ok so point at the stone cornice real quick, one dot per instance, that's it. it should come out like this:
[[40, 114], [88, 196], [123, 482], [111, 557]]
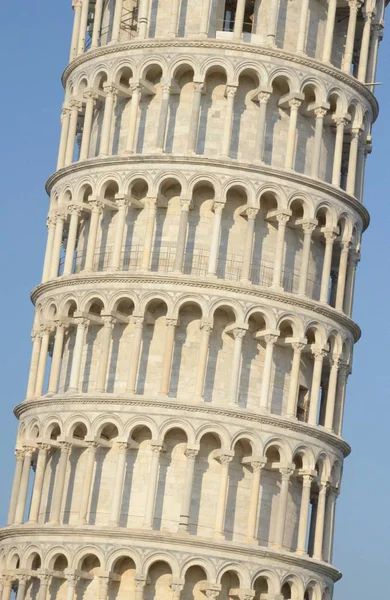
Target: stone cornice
[[203, 284], [164, 538], [256, 49], [290, 176], [214, 411]]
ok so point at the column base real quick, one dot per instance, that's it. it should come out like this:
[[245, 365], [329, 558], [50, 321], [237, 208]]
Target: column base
[[275, 287], [301, 553]]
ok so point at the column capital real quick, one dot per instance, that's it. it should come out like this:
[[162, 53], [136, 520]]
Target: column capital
[[212, 590], [225, 458], [286, 473], [44, 576], [271, 338], [294, 103], [77, 3], [330, 235], [206, 325], [307, 479], [90, 94], [108, 321], [263, 97], [298, 346], [71, 577], [156, 448], [252, 213], [82, 322], [309, 226], [22, 578], [198, 87], [44, 447], [231, 91], [258, 464], [65, 446], [191, 453], [136, 86], [341, 120], [19, 454], [185, 204], [60, 215], [110, 89], [138, 321], [28, 450], [242, 593], [75, 209], [319, 353], [354, 5], [122, 201], [75, 104], [320, 112], [121, 447], [218, 207], [177, 587], [35, 334], [140, 582], [335, 362], [65, 112], [171, 323], [283, 218], [97, 205], [51, 220], [166, 87]]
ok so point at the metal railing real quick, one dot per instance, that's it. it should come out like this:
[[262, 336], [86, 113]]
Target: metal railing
[[195, 263]]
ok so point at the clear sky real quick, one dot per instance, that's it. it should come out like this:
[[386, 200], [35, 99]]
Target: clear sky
[[35, 43]]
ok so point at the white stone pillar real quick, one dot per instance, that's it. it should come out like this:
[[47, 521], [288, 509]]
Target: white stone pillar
[[308, 229], [151, 207], [342, 275], [205, 19], [195, 113], [319, 355], [139, 587], [377, 36], [115, 514], [7, 587], [319, 126], [302, 31], [304, 513], [22, 584], [143, 19], [43, 451], [152, 485], [74, 381], [354, 6], [294, 105], [162, 124], [41, 371], [108, 326], [225, 459], [320, 522], [248, 248], [331, 396], [354, 259], [238, 334], [270, 341], [175, 12], [253, 510], [95, 218], [191, 454], [57, 245], [51, 228], [340, 122], [239, 20], [104, 581], [365, 45], [87, 482], [282, 220], [330, 514], [353, 159], [65, 121], [329, 31], [75, 108], [294, 379], [263, 98], [206, 328], [136, 94], [282, 507], [135, 354], [75, 214], [330, 237], [272, 21], [116, 24], [44, 580], [97, 24], [77, 7], [56, 358], [19, 454], [105, 140], [120, 223], [182, 235], [215, 239], [65, 448], [36, 350], [90, 103], [23, 486], [344, 372], [229, 118], [83, 27], [171, 325], [71, 580]]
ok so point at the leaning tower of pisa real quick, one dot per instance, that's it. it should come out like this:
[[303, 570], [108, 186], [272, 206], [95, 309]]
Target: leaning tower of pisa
[[181, 436]]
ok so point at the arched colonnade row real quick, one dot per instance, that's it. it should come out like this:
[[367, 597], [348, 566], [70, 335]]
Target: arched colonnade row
[[124, 575], [261, 492], [346, 36], [292, 245], [273, 118], [295, 370]]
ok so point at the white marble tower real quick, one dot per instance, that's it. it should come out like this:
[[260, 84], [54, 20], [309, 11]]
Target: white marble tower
[[181, 436]]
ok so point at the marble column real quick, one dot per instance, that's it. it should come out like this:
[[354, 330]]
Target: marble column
[[365, 45], [65, 448], [162, 124], [235, 374], [74, 380], [307, 480], [294, 379], [191, 455], [206, 329], [185, 204], [308, 229], [36, 350], [354, 6], [174, 21], [152, 485], [353, 159], [51, 228], [205, 19], [272, 22], [294, 105], [90, 102], [105, 139], [75, 108], [151, 207], [215, 239], [231, 91], [319, 355], [330, 237], [56, 358], [195, 113], [116, 24], [7, 587], [248, 248], [282, 507], [341, 123], [75, 215], [97, 24], [42, 362], [136, 94], [354, 259], [135, 354], [263, 98], [302, 31], [87, 482], [104, 582], [330, 514], [320, 522], [57, 245], [318, 135], [253, 510], [77, 7], [377, 36], [270, 341], [332, 388], [329, 32], [23, 486], [71, 580], [22, 584], [43, 450], [143, 19], [97, 208], [83, 27], [120, 224], [171, 325], [342, 274], [108, 326], [277, 281], [117, 497], [65, 121], [19, 454], [225, 460]]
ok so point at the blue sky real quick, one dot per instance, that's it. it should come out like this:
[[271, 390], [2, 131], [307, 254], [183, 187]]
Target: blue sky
[[35, 43]]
